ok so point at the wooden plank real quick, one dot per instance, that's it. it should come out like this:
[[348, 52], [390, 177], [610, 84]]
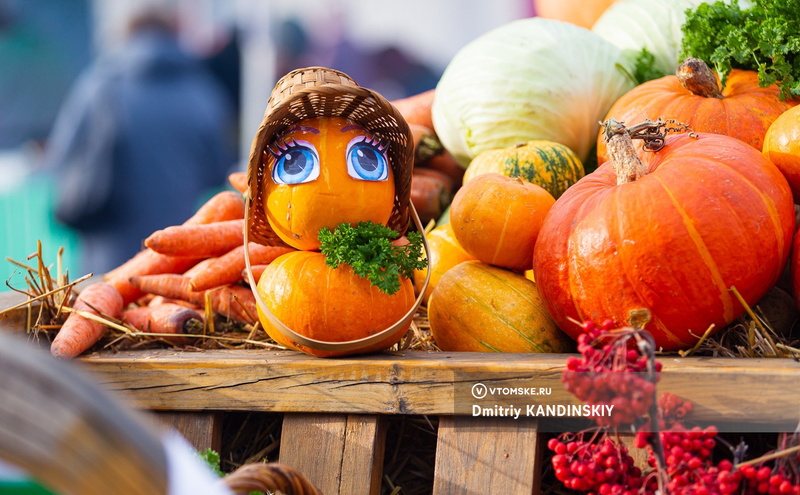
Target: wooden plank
[[313, 444], [340, 454], [736, 389], [487, 455], [202, 429], [364, 448]]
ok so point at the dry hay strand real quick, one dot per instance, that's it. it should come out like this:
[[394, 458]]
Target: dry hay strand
[[49, 294], [249, 437], [410, 455], [751, 336]]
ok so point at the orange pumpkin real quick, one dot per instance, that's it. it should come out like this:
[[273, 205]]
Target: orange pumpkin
[[445, 253], [580, 12], [332, 305], [482, 308], [742, 109], [497, 219], [322, 173], [682, 226], [782, 147]]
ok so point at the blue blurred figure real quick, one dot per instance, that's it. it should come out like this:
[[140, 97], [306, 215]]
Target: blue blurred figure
[[144, 137]]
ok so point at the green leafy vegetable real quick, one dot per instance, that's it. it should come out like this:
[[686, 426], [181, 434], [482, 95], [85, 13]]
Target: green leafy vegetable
[[645, 67], [764, 38], [368, 248], [211, 457]]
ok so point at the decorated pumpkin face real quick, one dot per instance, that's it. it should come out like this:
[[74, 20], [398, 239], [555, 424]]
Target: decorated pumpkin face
[[324, 172]]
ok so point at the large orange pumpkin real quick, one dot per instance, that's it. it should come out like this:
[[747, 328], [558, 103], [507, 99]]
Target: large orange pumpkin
[[782, 147], [323, 173], [329, 304], [742, 109], [497, 219], [482, 308], [683, 226]]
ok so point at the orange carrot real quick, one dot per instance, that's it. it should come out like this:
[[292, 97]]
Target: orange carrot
[[204, 240], [199, 267], [431, 193], [416, 109], [78, 333], [227, 269], [226, 205], [233, 301], [156, 300], [164, 318], [145, 262], [257, 271], [239, 181]]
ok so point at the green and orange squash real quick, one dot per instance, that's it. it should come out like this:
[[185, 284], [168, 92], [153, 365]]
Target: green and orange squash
[[477, 307], [548, 164]]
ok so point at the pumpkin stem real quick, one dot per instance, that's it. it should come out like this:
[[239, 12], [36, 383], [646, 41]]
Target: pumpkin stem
[[619, 144], [697, 77]]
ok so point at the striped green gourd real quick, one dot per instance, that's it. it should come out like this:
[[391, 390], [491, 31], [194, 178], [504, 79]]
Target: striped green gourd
[[548, 164]]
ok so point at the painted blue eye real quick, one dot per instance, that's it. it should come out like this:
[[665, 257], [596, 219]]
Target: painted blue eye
[[296, 162], [366, 159]]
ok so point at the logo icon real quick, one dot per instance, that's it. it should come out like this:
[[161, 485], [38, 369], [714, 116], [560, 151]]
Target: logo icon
[[479, 390]]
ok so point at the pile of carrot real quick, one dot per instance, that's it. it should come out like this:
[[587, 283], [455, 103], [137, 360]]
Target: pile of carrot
[[186, 272], [437, 175], [183, 274]]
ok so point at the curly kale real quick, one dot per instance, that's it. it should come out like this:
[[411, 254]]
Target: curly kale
[[764, 37], [368, 249]]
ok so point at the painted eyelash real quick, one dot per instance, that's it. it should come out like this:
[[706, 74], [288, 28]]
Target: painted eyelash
[[282, 146], [380, 144]]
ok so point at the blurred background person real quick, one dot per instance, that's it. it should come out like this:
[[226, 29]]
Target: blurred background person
[[142, 139]]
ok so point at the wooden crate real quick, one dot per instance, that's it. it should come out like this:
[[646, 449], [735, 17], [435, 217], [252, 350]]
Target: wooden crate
[[335, 410]]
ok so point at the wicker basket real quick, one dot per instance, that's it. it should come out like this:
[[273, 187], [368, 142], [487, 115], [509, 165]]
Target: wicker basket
[[322, 92]]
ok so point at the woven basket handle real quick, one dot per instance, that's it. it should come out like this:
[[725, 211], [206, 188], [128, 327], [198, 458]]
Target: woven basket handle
[[349, 345]]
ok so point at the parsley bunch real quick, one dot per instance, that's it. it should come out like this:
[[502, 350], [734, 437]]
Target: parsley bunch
[[368, 248], [764, 37]]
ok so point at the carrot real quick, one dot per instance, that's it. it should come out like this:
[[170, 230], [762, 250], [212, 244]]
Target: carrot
[[199, 267], [257, 271], [416, 109], [164, 318], [445, 162], [197, 241], [239, 181], [431, 193], [227, 269], [226, 205], [233, 301], [145, 262], [156, 300], [79, 333]]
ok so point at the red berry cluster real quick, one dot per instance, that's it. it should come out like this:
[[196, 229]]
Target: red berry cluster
[[762, 480], [603, 467], [610, 372], [689, 467], [673, 410], [602, 375]]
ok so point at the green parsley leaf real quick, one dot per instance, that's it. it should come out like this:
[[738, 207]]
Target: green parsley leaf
[[212, 459], [368, 249], [763, 38], [644, 67]]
